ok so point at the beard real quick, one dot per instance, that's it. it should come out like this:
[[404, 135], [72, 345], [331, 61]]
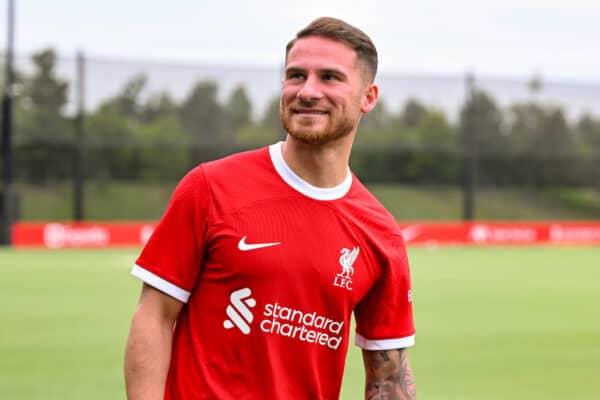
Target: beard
[[337, 126]]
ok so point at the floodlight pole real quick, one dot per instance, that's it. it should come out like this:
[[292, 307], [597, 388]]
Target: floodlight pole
[[7, 208], [78, 148], [470, 156]]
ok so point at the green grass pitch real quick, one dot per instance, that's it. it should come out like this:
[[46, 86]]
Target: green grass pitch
[[492, 323]]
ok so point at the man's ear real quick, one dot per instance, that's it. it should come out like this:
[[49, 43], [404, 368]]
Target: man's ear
[[369, 98]]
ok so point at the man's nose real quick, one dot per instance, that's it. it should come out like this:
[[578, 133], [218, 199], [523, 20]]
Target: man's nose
[[310, 90]]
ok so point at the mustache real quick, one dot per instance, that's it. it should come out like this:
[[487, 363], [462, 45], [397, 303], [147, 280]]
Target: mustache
[[303, 102]]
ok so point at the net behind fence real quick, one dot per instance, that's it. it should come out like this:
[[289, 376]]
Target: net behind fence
[[433, 149]]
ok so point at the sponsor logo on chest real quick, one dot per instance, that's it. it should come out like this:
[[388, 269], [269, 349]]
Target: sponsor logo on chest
[[347, 259], [309, 327]]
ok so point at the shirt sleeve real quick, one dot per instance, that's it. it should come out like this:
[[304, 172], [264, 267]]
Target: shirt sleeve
[[384, 317], [172, 258]]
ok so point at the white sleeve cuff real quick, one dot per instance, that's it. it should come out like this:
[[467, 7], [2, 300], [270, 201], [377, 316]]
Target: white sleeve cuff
[[384, 344], [161, 284]]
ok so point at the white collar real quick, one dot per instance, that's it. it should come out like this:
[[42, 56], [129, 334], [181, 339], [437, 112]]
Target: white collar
[[299, 184]]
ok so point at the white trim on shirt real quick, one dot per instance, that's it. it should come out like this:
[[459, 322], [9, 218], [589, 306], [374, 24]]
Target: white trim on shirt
[[384, 344], [300, 185], [160, 283]]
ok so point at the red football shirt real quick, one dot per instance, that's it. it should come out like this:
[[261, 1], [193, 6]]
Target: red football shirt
[[271, 269]]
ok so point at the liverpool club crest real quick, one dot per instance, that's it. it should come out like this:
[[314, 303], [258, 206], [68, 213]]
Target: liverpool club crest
[[347, 259]]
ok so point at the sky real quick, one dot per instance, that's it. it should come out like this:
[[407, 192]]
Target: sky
[[557, 40]]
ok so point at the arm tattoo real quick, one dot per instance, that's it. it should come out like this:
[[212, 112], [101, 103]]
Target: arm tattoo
[[388, 375]]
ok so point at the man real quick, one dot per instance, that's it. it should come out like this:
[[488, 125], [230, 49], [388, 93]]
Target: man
[[252, 274]]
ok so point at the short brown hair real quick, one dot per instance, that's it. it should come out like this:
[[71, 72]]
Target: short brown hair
[[343, 32]]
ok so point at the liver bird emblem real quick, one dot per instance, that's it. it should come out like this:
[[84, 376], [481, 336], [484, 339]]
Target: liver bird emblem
[[347, 260]]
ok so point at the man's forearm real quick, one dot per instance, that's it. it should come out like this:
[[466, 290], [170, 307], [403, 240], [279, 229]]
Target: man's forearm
[[147, 357], [388, 375]]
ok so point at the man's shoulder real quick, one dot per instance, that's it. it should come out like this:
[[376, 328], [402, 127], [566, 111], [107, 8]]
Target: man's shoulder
[[238, 163], [225, 174], [369, 210], [240, 179], [363, 197]]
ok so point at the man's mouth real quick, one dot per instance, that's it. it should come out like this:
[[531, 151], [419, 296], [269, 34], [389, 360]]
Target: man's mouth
[[309, 111]]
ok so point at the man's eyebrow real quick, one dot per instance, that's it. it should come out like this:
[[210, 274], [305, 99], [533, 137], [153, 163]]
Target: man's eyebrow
[[324, 71], [291, 70], [332, 71]]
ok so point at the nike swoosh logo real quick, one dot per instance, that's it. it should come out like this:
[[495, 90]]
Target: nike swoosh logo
[[243, 246]]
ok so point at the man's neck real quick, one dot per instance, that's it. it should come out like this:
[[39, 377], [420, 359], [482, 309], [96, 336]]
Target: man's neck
[[321, 165]]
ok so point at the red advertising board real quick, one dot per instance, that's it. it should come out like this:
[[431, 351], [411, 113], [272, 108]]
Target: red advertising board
[[502, 233], [56, 235]]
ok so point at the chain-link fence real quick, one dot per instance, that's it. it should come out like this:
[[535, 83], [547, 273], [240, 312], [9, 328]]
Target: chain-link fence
[[106, 139]]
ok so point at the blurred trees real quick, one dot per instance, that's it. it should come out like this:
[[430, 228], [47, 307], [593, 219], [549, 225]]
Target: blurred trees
[[238, 109], [201, 113], [149, 135], [412, 112], [542, 142], [588, 135], [480, 124], [127, 102], [267, 130], [41, 125], [481, 142]]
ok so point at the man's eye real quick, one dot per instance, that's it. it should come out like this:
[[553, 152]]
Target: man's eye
[[296, 75], [330, 77]]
